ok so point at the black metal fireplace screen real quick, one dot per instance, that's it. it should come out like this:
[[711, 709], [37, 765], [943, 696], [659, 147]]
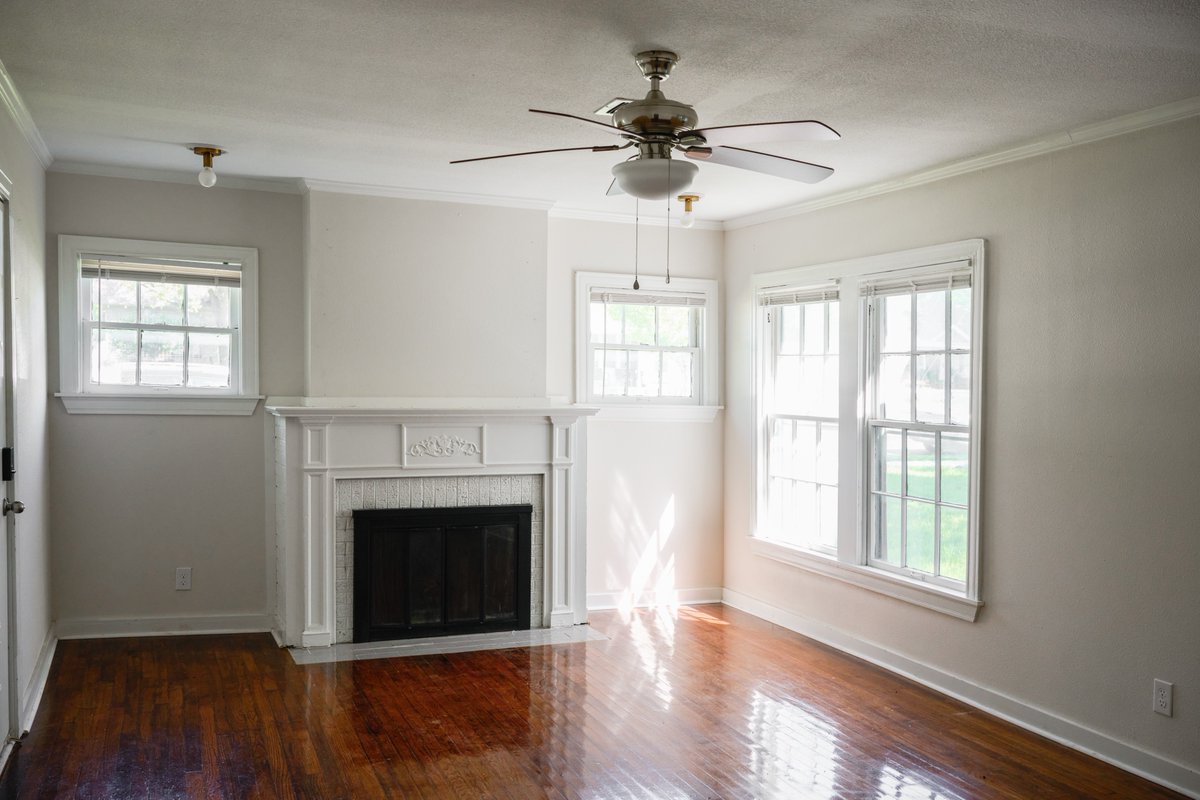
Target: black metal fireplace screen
[[440, 571]]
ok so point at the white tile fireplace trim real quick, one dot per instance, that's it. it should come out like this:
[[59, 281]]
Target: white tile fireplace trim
[[441, 491], [320, 441]]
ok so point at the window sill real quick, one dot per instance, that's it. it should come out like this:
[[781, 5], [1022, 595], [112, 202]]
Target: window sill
[[657, 412], [897, 586], [175, 405]]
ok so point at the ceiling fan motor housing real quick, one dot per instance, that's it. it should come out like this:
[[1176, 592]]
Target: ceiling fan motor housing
[[655, 115]]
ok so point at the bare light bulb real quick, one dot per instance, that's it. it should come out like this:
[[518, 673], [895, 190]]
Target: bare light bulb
[[208, 152], [688, 218]]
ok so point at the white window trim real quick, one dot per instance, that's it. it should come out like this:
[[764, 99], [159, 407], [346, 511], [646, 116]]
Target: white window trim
[[853, 568], [650, 410], [171, 401]]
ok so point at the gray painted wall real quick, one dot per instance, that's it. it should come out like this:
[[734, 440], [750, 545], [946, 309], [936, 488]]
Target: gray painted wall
[[138, 496], [411, 298]]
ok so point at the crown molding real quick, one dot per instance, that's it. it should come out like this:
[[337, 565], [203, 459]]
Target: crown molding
[[24, 120], [1084, 134], [590, 215], [279, 185], [435, 195]]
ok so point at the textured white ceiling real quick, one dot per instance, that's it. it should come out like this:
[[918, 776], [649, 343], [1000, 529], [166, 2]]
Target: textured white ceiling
[[386, 92]]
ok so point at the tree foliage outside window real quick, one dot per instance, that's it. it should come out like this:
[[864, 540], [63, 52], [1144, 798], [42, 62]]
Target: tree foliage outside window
[[159, 333]]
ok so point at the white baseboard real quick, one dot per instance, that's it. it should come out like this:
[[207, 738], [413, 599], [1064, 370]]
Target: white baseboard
[[602, 601], [5, 751], [32, 696], [102, 628], [1064, 731]]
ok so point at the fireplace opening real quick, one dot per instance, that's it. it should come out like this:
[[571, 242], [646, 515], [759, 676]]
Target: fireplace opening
[[440, 571]]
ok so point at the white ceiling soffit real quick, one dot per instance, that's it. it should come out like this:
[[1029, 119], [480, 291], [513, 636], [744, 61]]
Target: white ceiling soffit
[[359, 92]]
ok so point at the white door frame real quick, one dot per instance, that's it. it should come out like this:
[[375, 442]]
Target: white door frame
[[13, 726]]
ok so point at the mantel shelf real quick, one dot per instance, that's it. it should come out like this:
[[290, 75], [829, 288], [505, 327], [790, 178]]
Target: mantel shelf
[[403, 407]]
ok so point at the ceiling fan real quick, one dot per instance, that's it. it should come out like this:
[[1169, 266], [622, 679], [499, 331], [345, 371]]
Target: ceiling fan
[[656, 126]]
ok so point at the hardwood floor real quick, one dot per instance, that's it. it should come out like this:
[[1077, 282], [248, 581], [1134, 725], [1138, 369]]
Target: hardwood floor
[[709, 703]]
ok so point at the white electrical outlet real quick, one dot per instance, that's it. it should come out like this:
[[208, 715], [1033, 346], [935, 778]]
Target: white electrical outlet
[[1162, 697], [183, 579]]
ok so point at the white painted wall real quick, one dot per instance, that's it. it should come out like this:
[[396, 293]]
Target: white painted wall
[[412, 298], [32, 546], [137, 496], [1091, 553], [654, 488]]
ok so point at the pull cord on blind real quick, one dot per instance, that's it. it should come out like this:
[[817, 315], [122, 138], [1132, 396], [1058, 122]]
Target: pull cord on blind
[[209, 273]]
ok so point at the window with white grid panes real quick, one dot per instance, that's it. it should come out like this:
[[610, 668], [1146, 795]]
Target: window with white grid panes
[[866, 389], [645, 348], [159, 325], [800, 420], [150, 327], [919, 426]]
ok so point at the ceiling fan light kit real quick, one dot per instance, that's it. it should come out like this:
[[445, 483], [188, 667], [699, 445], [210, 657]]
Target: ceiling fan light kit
[[654, 178], [656, 126]]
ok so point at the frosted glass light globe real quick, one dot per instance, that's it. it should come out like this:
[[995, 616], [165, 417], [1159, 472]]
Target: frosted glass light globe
[[207, 178], [654, 178]]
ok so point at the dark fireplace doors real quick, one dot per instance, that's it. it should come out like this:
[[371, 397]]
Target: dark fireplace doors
[[440, 571]]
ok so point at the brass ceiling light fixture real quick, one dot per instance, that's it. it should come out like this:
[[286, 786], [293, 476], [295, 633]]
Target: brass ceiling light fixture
[[208, 152], [688, 218]]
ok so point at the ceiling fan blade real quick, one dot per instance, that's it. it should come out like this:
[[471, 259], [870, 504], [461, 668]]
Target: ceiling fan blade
[[603, 148], [594, 122], [779, 166], [806, 130], [614, 189]]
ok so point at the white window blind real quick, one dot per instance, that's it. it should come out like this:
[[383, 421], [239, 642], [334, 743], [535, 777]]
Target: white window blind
[[648, 299], [955, 275], [212, 273], [791, 297]]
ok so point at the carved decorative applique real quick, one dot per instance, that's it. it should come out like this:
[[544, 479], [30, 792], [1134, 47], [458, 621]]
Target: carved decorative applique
[[444, 446]]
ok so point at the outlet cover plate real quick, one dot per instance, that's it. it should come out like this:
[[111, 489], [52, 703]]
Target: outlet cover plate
[[1162, 697]]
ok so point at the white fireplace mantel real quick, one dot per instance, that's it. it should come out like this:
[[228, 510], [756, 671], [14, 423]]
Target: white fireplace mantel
[[319, 441]]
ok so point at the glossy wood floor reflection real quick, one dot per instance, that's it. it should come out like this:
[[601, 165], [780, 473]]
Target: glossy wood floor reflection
[[708, 703]]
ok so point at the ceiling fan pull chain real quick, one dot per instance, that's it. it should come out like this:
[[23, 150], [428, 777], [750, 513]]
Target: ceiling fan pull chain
[[636, 215], [668, 221]]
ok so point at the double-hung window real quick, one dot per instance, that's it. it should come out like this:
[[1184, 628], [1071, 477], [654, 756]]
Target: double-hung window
[[919, 424], [800, 415], [148, 322], [652, 346], [868, 399]]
